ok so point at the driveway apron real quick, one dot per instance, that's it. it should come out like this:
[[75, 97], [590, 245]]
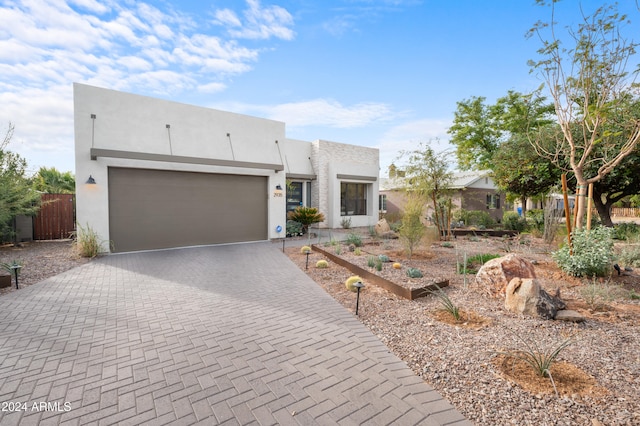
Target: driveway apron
[[232, 334]]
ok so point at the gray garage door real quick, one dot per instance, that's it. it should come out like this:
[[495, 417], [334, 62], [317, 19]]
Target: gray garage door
[[153, 209]]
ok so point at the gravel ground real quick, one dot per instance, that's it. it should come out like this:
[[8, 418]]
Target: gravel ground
[[459, 360], [597, 377]]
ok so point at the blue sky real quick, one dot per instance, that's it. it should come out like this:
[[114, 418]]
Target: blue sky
[[384, 74]]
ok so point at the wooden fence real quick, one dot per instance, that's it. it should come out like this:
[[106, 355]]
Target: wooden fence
[[57, 217], [625, 212]]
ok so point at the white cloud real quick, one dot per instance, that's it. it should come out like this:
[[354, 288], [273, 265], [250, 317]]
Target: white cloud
[[325, 112], [259, 22]]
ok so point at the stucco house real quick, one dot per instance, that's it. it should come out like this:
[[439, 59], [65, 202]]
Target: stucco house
[[474, 190], [155, 174]]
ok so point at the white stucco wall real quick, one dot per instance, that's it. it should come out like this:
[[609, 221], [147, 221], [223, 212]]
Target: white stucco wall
[[134, 123], [331, 159]]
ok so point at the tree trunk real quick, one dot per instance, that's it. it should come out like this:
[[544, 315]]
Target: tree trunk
[[523, 201], [604, 210], [581, 198]]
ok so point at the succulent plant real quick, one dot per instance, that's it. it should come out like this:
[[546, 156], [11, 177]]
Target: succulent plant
[[383, 258], [371, 261], [397, 265], [322, 264], [414, 273], [349, 283], [305, 249]]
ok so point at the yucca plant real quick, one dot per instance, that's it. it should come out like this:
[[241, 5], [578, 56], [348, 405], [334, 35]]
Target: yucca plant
[[445, 301], [539, 358], [306, 216]]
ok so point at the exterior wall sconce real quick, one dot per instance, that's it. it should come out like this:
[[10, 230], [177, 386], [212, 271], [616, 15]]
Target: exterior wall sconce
[[90, 181], [279, 187]]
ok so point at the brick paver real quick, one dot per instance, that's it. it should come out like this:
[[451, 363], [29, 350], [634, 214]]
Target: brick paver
[[232, 334]]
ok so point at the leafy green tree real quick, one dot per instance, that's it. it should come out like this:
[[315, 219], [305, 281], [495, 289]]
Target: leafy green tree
[[16, 195], [428, 177], [52, 181], [475, 134], [589, 82]]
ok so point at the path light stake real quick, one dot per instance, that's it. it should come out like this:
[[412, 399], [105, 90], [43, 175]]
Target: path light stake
[[15, 268], [358, 285], [306, 266]]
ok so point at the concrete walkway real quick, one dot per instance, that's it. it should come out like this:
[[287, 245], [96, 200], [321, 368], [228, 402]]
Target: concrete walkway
[[232, 334]]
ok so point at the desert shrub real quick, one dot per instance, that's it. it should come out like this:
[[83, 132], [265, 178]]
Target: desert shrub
[[535, 219], [305, 249], [598, 294], [412, 229], [513, 221], [592, 253], [378, 264], [294, 228], [345, 222], [354, 239], [322, 264], [447, 244], [630, 256], [88, 242], [477, 218], [306, 216], [338, 250], [414, 273], [538, 357], [371, 261], [446, 302], [349, 283], [626, 231]]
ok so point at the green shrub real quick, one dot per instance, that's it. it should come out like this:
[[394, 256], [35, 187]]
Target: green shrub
[[378, 265], [354, 239], [322, 264], [535, 218], [513, 221], [371, 261], [478, 218], [475, 262], [414, 273], [630, 256], [349, 283], [412, 229], [345, 222], [294, 228], [592, 253], [626, 231], [597, 295]]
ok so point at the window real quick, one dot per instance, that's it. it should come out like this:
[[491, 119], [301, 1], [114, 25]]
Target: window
[[353, 199], [493, 201], [382, 202]]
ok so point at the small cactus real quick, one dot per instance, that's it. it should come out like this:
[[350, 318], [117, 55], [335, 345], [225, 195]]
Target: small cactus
[[414, 273], [397, 266], [321, 264], [371, 261], [383, 258], [305, 249], [357, 251], [349, 283]]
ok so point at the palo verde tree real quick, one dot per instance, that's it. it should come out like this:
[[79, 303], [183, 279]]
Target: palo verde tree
[[428, 177], [588, 75], [16, 195]]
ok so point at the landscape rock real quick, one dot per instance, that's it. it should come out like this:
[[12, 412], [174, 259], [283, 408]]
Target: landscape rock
[[526, 296], [495, 275], [382, 227], [569, 315]]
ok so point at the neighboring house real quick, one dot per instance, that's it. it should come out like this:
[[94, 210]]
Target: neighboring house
[[173, 175], [471, 191]]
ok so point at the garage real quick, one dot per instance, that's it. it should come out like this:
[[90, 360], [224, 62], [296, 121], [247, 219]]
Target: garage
[[156, 209]]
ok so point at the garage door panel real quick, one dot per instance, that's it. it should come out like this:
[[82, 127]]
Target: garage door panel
[[151, 209]]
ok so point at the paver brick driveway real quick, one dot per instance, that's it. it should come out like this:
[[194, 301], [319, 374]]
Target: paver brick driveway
[[232, 334]]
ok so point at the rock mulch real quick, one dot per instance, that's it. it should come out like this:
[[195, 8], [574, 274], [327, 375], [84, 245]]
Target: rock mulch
[[597, 377]]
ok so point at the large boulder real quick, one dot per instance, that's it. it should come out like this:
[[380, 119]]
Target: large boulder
[[383, 229], [526, 296], [495, 275]]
